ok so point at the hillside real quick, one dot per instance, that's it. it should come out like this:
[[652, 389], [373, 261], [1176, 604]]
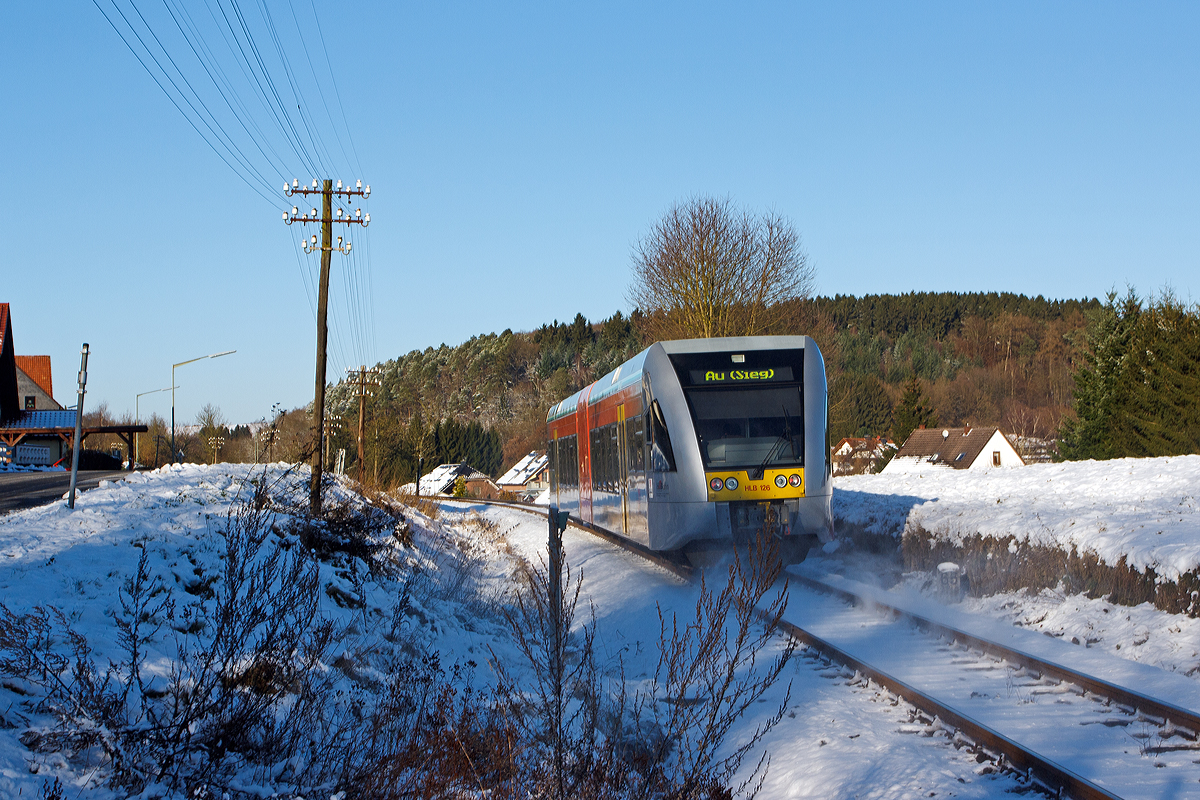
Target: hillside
[[984, 358]]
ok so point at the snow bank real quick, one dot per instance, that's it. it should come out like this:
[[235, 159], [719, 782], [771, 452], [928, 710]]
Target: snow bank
[[1142, 509]]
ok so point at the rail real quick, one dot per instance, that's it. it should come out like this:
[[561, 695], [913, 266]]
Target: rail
[[1053, 777]]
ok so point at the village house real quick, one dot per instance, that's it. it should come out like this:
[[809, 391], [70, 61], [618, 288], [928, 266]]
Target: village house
[[441, 480], [859, 455], [528, 478], [955, 448], [35, 430]]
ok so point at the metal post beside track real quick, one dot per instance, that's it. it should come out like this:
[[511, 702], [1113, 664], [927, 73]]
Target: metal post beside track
[[78, 426], [558, 522]]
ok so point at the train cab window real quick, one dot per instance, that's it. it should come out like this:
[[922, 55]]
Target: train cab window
[[662, 457], [749, 427]]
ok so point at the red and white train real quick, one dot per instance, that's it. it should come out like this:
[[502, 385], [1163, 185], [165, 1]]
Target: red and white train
[[694, 444]]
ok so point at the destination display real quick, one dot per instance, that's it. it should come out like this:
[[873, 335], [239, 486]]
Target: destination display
[[723, 375]]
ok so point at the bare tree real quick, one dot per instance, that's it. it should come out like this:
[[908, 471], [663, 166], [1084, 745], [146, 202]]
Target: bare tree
[[210, 419], [710, 269]]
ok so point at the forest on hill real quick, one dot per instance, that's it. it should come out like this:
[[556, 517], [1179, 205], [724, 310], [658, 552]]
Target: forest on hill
[[1088, 379], [980, 358]]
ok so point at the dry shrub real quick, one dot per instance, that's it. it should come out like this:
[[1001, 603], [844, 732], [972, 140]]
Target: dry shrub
[[247, 693], [1005, 564], [424, 504], [587, 738], [433, 736], [710, 673]]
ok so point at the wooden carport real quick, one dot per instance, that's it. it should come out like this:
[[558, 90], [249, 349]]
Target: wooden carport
[[49, 424]]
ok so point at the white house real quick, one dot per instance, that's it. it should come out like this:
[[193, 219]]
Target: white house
[[956, 448], [856, 456]]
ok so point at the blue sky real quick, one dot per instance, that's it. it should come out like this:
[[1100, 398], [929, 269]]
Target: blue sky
[[515, 153]]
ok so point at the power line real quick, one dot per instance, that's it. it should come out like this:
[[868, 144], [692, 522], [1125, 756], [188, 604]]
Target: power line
[[175, 102]]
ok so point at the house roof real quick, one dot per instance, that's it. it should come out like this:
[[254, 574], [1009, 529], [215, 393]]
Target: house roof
[[48, 420], [441, 479], [524, 470], [958, 448], [9, 407], [38, 370]]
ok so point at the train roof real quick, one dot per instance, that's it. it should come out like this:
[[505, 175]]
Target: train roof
[[627, 373], [730, 343]]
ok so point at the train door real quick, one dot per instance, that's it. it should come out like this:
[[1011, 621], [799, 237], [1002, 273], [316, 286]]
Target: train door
[[623, 468], [584, 426]]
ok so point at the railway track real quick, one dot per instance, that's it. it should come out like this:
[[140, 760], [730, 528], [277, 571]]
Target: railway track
[[1082, 696]]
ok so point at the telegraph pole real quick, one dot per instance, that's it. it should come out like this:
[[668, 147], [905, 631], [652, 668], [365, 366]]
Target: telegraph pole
[[331, 422], [216, 443], [365, 381], [326, 248]]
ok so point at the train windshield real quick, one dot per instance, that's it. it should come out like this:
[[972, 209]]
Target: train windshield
[[749, 427]]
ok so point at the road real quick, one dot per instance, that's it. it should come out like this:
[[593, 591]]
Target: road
[[20, 490]]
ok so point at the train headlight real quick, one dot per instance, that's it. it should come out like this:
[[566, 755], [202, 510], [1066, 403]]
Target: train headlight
[[781, 481], [731, 484], [795, 479], [717, 484]]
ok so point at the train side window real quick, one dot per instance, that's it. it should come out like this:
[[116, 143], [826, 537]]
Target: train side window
[[662, 457], [634, 440], [614, 459]]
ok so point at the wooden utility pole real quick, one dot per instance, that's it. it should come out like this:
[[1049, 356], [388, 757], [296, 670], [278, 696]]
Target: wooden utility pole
[[364, 382], [331, 422], [314, 491], [326, 248]]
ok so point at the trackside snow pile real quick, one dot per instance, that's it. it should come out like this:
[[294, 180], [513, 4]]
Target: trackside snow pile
[[1128, 528], [193, 632]]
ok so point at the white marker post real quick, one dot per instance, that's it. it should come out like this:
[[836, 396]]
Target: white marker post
[[78, 426]]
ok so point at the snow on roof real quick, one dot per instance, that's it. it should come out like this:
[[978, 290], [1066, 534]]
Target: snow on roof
[[441, 479], [956, 447], [42, 419], [524, 470], [915, 464]]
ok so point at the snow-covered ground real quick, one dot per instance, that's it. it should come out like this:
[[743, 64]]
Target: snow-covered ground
[[839, 737], [1142, 509]]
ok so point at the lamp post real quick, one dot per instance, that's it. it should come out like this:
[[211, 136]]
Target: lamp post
[[137, 418], [174, 387]]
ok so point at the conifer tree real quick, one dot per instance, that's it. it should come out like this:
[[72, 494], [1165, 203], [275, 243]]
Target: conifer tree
[[1160, 415], [1101, 381], [913, 411]]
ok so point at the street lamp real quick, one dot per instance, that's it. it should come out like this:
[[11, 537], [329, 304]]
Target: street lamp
[[174, 387], [138, 419]]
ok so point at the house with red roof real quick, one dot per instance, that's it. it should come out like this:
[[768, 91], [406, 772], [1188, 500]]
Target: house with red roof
[[34, 427], [955, 448]]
